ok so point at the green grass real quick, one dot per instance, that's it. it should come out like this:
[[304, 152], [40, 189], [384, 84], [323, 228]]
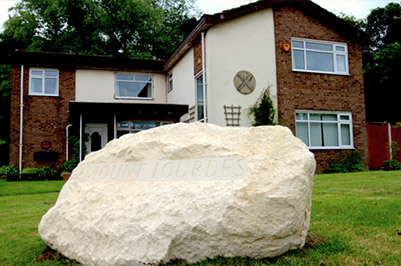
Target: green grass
[[355, 220]]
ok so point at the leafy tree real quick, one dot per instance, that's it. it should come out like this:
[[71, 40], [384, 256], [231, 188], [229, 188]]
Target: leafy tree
[[382, 61], [140, 28]]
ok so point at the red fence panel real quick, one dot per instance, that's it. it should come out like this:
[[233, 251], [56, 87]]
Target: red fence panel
[[396, 136], [378, 145]]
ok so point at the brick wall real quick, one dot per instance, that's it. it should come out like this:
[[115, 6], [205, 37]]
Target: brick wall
[[320, 92], [197, 57], [45, 118]]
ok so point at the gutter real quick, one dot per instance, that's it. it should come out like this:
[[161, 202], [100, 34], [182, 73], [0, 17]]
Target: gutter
[[21, 120]]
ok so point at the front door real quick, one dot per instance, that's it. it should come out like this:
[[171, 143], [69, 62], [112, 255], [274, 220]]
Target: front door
[[97, 136]]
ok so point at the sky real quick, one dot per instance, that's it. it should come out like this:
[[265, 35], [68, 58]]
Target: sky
[[358, 8]]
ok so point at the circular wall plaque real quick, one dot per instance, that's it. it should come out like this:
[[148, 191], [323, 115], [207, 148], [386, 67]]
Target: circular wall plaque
[[45, 144], [244, 82]]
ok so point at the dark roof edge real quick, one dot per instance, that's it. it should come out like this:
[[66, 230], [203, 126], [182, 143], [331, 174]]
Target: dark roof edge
[[207, 21], [76, 61]]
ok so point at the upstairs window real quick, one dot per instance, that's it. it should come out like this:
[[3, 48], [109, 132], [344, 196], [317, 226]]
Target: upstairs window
[[319, 56], [43, 82], [326, 130], [170, 82], [137, 86]]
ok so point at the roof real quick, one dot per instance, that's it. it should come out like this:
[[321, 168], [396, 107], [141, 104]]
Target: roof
[[51, 59], [307, 6]]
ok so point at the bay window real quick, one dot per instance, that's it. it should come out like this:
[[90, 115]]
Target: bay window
[[319, 56], [324, 130]]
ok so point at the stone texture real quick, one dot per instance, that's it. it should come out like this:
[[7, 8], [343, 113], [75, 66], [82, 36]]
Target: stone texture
[[186, 191]]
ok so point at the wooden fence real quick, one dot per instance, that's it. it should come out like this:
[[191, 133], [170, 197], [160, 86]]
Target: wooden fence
[[380, 137]]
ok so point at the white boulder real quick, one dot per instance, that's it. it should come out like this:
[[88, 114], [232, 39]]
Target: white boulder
[[185, 191]]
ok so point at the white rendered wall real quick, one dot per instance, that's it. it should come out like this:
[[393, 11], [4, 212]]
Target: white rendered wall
[[245, 43], [98, 86], [183, 81]]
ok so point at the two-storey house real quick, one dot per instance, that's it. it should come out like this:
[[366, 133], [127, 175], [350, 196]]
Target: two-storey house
[[308, 59]]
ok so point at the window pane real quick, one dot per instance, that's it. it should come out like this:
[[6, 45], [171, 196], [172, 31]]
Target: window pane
[[315, 117], [200, 110], [36, 85], [133, 89], [124, 77], [329, 117], [37, 72], [302, 132], [143, 125], [301, 116], [297, 44], [340, 48], [316, 134], [319, 61], [345, 135], [51, 73], [199, 98], [330, 134], [319, 46], [143, 78], [50, 86], [122, 124], [344, 117], [340, 63], [145, 90], [299, 61]]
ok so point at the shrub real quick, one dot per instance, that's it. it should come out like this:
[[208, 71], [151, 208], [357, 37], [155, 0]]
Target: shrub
[[10, 171], [391, 165], [347, 162], [69, 165], [263, 110], [30, 174], [47, 172]]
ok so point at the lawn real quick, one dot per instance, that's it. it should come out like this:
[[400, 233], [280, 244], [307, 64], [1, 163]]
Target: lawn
[[356, 220]]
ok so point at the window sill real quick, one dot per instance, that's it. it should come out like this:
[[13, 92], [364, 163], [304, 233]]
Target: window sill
[[45, 95], [331, 148], [320, 72], [133, 98]]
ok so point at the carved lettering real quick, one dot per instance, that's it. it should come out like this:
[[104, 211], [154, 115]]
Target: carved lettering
[[201, 169]]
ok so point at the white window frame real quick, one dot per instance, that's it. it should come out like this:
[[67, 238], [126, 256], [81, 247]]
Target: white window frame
[[339, 122], [43, 77], [133, 129], [133, 81], [170, 86], [199, 76], [334, 53]]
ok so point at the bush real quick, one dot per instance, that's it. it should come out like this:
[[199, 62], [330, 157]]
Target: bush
[[347, 162], [10, 171], [69, 165], [47, 172], [263, 111], [391, 165], [33, 174], [30, 174]]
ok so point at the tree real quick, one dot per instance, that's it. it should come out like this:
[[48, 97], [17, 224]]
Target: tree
[[140, 28], [381, 61]]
